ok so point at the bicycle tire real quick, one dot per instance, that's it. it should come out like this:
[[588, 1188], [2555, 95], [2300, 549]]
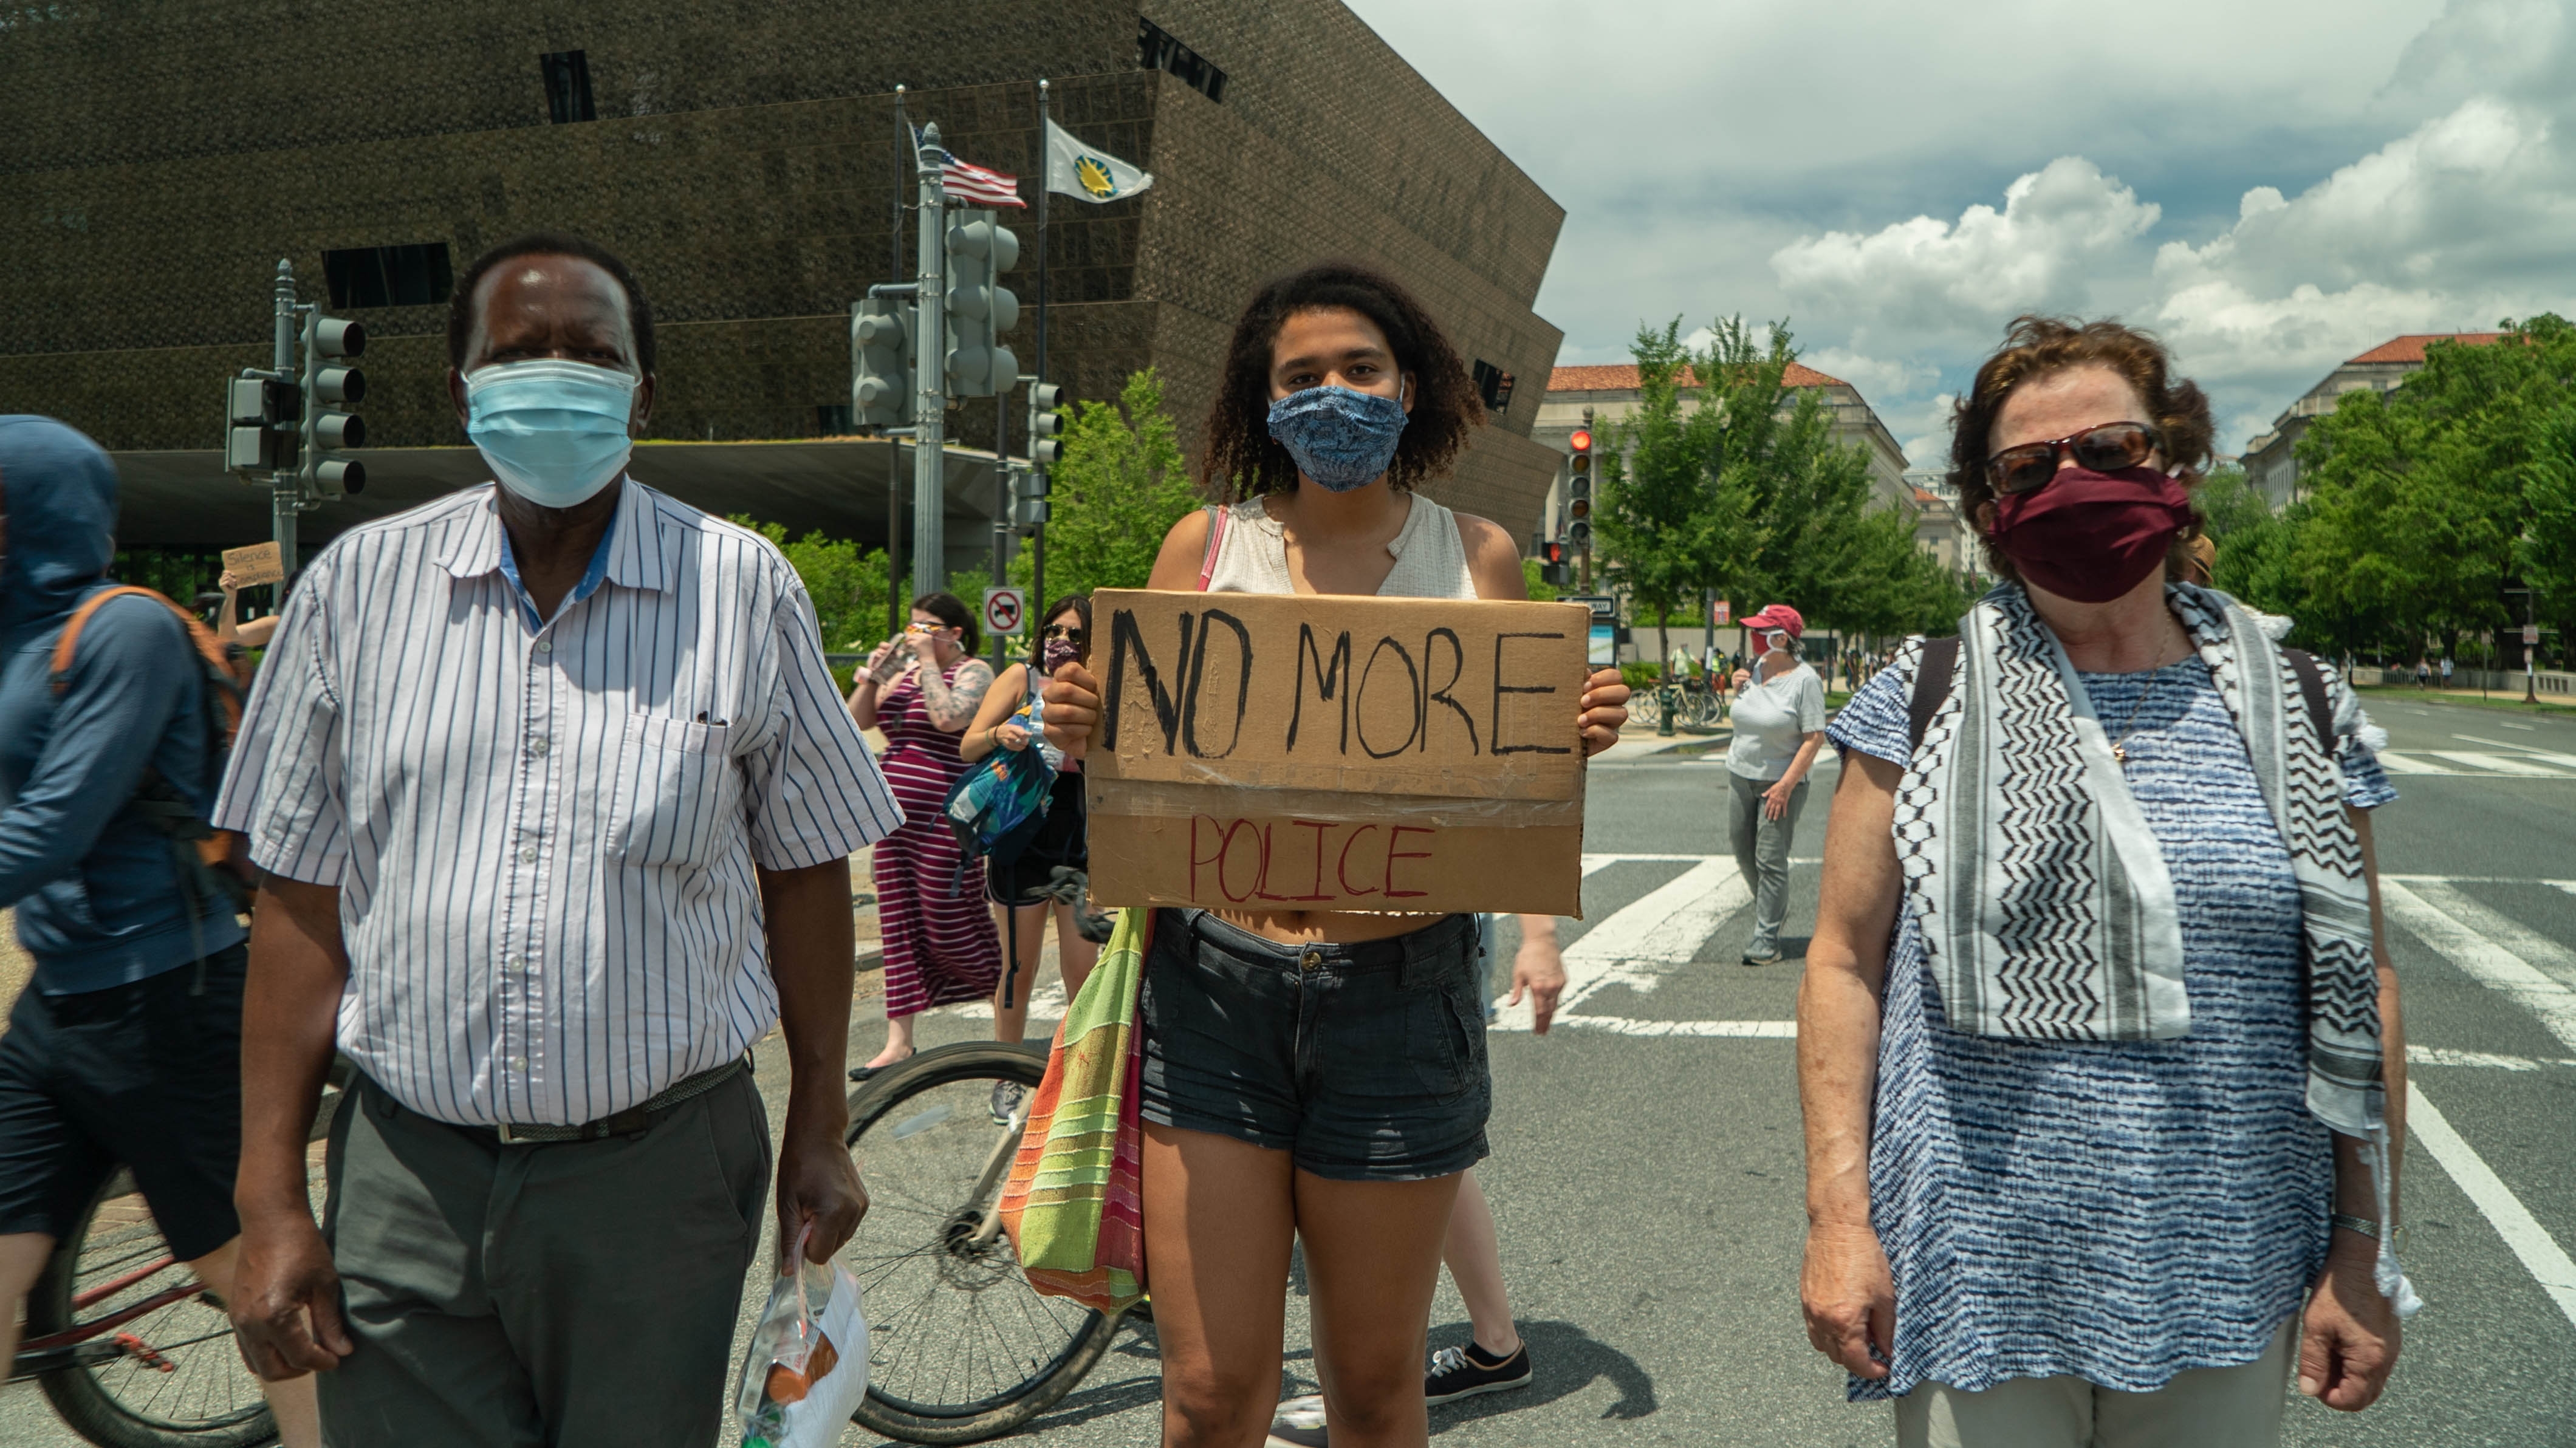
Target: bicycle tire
[[107, 1402], [933, 1085], [1646, 706]]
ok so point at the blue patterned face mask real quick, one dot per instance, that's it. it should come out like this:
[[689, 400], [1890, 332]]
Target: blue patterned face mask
[[554, 431], [1340, 438]]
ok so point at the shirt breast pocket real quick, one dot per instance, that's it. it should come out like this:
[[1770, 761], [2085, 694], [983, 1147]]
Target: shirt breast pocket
[[677, 788]]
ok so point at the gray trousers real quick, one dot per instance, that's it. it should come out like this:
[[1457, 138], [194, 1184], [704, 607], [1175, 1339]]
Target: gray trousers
[[1762, 855], [568, 1295]]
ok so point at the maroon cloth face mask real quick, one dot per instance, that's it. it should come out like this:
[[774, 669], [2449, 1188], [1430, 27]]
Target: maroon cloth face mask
[[2092, 536]]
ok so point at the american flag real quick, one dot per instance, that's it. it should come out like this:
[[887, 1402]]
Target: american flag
[[966, 181]]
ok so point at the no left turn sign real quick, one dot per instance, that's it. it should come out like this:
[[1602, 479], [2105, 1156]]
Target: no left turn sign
[[1006, 611]]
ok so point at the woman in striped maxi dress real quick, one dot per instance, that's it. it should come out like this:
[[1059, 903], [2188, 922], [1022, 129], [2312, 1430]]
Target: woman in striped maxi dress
[[939, 941]]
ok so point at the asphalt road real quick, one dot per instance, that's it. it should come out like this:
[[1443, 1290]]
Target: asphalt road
[[1646, 1170]]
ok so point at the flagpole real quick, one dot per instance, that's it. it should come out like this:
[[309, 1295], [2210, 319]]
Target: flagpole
[[1046, 172], [894, 446]]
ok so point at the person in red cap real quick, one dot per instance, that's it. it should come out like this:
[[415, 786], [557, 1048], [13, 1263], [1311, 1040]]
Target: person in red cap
[[1779, 724]]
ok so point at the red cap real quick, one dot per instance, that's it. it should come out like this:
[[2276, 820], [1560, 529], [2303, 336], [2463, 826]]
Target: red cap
[[1780, 616]]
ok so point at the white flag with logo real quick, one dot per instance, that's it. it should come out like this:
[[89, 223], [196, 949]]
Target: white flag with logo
[[1074, 169]]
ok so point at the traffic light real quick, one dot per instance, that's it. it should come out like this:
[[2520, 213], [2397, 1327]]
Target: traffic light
[[1046, 423], [980, 308], [1552, 567], [880, 381], [322, 427], [1029, 485], [1578, 489], [261, 416]]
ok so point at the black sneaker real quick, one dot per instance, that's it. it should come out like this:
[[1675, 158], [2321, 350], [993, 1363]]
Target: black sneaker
[[1464, 1372]]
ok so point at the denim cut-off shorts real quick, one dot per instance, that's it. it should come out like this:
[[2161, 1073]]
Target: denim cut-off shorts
[[1364, 1062]]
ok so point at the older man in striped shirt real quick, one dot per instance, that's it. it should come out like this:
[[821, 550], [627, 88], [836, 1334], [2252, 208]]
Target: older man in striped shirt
[[556, 794]]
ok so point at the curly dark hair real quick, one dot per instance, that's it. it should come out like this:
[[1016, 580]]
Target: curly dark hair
[[1078, 604], [951, 610], [1243, 461], [2037, 347], [460, 302]]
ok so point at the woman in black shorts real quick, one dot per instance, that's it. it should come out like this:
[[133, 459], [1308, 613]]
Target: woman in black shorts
[[1316, 1076], [1050, 875]]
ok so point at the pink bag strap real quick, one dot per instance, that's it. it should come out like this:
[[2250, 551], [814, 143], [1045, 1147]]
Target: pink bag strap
[[1217, 515]]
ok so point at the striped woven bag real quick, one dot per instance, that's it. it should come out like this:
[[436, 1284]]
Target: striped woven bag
[[1073, 1202]]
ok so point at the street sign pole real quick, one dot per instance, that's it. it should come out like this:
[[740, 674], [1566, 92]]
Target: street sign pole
[[930, 376], [285, 486]]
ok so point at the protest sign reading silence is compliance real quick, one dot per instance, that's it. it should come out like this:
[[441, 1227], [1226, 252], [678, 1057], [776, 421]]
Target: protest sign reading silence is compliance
[[257, 564], [1301, 752]]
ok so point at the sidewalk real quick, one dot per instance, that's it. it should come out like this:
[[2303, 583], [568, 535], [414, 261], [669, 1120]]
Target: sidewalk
[[2491, 696]]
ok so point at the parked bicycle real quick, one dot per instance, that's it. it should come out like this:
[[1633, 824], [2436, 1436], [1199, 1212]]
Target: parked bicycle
[[129, 1348], [960, 1348]]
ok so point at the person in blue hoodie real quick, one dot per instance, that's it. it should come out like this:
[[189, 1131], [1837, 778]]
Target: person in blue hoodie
[[125, 1048]]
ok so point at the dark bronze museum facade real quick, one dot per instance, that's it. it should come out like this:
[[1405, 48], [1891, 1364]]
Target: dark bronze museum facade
[[159, 158]]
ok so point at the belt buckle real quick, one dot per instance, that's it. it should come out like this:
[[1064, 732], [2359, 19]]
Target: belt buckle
[[509, 1135]]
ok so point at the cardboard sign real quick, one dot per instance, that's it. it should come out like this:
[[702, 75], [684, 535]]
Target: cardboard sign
[[1286, 752], [252, 566]]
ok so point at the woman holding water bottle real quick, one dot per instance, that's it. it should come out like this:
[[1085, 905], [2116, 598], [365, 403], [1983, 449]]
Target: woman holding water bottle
[[1049, 876]]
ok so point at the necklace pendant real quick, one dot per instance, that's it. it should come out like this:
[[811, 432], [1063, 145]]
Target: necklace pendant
[[2120, 753]]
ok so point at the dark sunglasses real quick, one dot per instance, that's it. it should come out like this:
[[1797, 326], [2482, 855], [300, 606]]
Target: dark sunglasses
[[1055, 631], [2105, 449]]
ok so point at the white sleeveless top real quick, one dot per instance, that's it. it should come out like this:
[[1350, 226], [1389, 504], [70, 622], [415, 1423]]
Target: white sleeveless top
[[1430, 562]]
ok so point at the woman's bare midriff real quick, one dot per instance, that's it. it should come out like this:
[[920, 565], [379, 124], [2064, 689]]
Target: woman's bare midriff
[[1328, 927]]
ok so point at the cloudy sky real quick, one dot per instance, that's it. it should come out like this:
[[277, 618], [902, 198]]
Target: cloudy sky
[[2272, 185]]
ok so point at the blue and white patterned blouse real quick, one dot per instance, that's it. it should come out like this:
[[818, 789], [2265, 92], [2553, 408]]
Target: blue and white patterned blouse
[[2115, 1211]]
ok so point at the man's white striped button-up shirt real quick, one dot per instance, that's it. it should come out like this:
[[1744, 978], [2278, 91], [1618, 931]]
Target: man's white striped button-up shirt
[[545, 837]]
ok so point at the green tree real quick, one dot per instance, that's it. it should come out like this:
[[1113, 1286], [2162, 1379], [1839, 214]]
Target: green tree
[[2427, 504], [1666, 515], [848, 587], [1119, 487]]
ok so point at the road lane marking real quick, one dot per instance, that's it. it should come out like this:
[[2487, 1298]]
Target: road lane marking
[[2563, 761], [2498, 763], [1647, 939], [2545, 955], [1739, 1030], [2490, 964], [2398, 763], [2540, 1254], [2488, 1060]]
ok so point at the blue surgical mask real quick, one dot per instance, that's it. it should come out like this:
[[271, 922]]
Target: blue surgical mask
[[1340, 438], [554, 431]]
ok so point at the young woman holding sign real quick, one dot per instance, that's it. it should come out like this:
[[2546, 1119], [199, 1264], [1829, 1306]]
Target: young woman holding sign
[[1297, 1083]]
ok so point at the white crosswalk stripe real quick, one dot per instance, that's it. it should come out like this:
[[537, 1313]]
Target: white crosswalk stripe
[[2479, 764], [2540, 1253], [1646, 940], [2485, 961]]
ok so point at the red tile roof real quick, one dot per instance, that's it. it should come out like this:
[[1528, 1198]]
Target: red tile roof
[[1623, 378], [2410, 348]]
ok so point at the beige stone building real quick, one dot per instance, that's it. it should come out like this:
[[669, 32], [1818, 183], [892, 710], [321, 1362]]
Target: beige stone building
[[2272, 461]]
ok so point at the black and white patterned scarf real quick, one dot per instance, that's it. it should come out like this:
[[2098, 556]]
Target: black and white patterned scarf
[[2046, 908]]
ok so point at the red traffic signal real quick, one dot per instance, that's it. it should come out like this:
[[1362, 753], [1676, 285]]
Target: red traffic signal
[[1582, 440], [1552, 552]]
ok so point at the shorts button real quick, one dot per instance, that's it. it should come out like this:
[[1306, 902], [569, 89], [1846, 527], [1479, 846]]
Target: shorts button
[[1310, 960]]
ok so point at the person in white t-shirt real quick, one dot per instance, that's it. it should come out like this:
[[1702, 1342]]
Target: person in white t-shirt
[[1779, 723]]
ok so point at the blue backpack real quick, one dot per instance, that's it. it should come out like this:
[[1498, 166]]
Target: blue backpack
[[995, 808]]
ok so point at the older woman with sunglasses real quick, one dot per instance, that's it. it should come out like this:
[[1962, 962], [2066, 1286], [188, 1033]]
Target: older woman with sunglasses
[[1053, 870], [2097, 1042]]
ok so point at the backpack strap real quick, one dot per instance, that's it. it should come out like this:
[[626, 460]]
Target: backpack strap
[[212, 650], [1933, 673], [1217, 513], [2312, 687]]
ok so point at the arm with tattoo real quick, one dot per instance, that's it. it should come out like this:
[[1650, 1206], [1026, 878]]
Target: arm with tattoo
[[952, 703]]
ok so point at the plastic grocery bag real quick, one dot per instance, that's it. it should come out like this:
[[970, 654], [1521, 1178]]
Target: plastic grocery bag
[[808, 1364]]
